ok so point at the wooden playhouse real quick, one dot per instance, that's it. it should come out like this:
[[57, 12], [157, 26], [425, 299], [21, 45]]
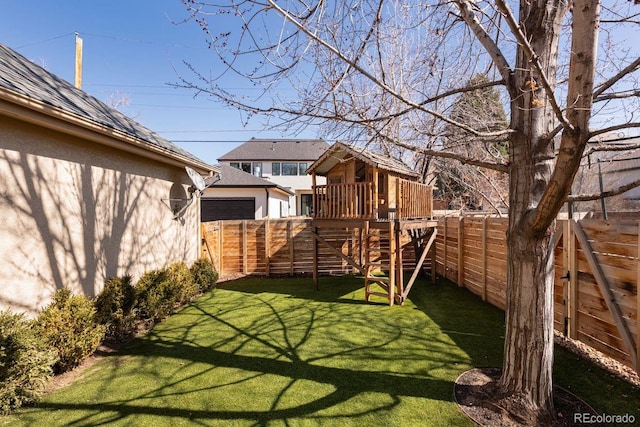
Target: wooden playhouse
[[381, 200]]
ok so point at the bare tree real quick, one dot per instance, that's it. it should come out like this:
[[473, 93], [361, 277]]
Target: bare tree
[[387, 73]]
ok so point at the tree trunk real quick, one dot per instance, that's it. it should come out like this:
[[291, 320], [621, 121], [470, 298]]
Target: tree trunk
[[526, 382]]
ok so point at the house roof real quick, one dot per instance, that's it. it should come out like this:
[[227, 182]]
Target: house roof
[[617, 168], [235, 178], [341, 151], [277, 149], [26, 84]]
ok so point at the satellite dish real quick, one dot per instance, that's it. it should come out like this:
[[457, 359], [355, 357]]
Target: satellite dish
[[196, 178]]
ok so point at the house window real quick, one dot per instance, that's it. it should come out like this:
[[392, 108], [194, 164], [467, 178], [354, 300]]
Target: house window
[[289, 169], [235, 165], [257, 169], [245, 167], [275, 168], [302, 168]]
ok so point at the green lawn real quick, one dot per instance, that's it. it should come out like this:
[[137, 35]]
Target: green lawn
[[260, 352]]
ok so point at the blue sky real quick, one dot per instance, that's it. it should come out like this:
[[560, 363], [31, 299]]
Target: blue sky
[[132, 47]]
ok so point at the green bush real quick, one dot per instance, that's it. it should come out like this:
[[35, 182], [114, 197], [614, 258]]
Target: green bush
[[115, 308], [68, 324], [155, 298], [204, 274], [180, 276], [159, 292], [25, 362]]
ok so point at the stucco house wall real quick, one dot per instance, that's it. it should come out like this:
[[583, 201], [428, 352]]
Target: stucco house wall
[[86, 193], [75, 214]]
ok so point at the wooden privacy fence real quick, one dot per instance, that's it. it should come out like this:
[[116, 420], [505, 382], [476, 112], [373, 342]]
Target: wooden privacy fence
[[285, 247], [596, 267], [596, 276]]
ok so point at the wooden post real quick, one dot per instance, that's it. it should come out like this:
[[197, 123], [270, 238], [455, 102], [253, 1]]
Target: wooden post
[[220, 243], [444, 258], [291, 248], [315, 259], [573, 281], [78, 68], [461, 251], [484, 258], [267, 246], [375, 192], [433, 258], [314, 195], [392, 262], [566, 267], [244, 246], [638, 306], [399, 271]]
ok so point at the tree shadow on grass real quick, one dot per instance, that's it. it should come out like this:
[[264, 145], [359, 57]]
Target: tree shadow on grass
[[311, 359]]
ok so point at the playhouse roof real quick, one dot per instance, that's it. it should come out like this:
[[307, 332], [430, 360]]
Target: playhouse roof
[[341, 151]]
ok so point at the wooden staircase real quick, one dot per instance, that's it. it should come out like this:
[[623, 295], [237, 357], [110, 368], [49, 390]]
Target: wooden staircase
[[388, 259]]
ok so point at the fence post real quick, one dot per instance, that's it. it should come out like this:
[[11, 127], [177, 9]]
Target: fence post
[[291, 249], [460, 250], [244, 247], [220, 243], [638, 306], [444, 259], [267, 246], [484, 258], [573, 281]]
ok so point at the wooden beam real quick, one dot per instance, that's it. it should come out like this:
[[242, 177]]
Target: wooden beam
[[638, 305], [425, 251], [444, 258], [399, 269], [607, 293]]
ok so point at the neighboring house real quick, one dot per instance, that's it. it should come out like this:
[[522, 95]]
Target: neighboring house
[[86, 193], [239, 195], [283, 161], [613, 169]]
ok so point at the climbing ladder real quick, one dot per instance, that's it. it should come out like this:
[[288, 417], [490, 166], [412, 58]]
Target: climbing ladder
[[389, 259]]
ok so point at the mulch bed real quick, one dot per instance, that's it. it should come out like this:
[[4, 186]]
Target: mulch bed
[[475, 391]]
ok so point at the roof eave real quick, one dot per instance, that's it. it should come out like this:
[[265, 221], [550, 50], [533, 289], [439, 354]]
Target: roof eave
[[39, 113]]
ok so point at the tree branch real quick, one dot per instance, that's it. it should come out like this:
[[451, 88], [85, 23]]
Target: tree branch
[[533, 57], [376, 81], [596, 196], [613, 80]]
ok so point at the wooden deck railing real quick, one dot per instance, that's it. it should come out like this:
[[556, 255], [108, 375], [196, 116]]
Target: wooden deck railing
[[357, 201], [415, 200], [344, 201]]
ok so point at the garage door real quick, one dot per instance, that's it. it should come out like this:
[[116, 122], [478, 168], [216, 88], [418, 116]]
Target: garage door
[[227, 208]]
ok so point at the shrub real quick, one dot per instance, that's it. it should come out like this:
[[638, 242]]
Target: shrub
[[155, 299], [115, 308], [204, 274], [25, 362], [180, 276], [68, 324]]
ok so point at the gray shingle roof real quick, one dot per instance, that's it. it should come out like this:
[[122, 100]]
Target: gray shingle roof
[[232, 177], [19, 75], [278, 149], [341, 150]]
